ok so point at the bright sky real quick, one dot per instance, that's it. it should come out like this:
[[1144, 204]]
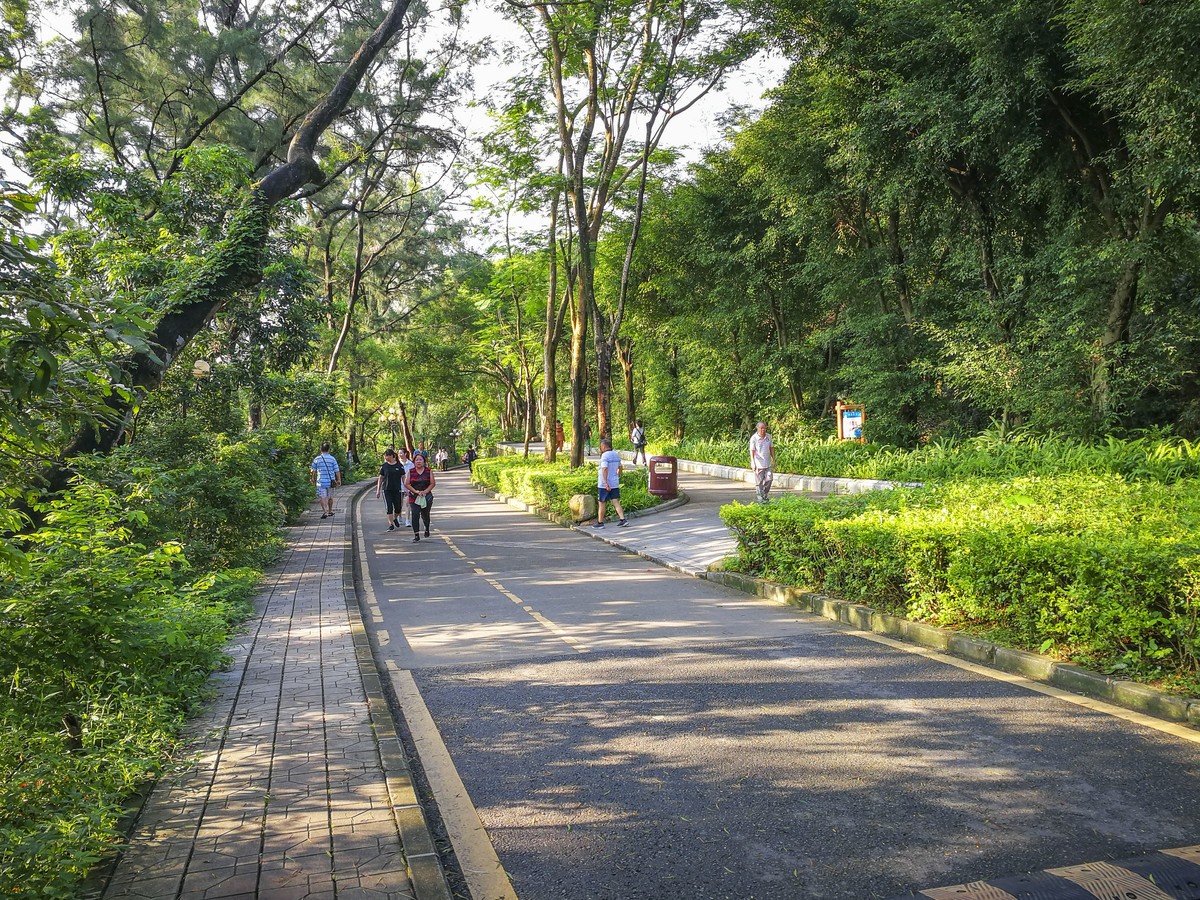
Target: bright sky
[[693, 132]]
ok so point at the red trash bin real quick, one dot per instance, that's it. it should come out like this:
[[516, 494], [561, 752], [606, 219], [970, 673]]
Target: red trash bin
[[663, 477]]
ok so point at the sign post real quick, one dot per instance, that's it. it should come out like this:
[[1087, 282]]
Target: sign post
[[850, 417]]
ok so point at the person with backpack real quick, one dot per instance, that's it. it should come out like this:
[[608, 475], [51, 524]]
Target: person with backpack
[[637, 437]]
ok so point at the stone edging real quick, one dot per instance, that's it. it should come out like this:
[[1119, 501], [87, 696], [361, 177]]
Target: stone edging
[[420, 852], [1034, 666]]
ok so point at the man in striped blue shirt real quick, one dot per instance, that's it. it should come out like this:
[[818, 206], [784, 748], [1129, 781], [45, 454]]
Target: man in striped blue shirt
[[325, 473]]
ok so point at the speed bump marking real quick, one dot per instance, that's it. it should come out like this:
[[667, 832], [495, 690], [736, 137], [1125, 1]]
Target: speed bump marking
[[1165, 875]]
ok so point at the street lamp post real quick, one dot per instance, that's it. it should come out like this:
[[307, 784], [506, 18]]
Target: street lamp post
[[391, 418]]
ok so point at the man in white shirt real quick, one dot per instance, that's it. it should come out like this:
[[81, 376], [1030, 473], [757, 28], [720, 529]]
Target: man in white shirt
[[762, 461], [609, 483]]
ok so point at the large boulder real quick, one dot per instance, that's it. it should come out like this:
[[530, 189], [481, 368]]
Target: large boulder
[[583, 507]]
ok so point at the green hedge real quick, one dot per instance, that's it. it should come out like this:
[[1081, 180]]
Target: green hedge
[[1091, 568], [551, 486]]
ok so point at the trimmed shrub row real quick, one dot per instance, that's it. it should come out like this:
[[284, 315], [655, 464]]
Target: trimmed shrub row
[[551, 487], [1090, 568]]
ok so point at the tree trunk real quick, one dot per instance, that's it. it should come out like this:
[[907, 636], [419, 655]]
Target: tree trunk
[[1116, 335], [625, 357], [677, 409], [604, 354], [578, 378]]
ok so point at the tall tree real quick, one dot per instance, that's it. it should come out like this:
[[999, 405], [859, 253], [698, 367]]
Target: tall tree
[[234, 263]]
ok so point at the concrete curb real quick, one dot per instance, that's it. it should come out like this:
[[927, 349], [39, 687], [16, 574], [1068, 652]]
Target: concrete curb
[[420, 852], [1034, 666]]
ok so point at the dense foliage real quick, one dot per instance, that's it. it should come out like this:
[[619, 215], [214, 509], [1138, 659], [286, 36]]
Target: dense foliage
[[948, 215], [1093, 569], [110, 623]]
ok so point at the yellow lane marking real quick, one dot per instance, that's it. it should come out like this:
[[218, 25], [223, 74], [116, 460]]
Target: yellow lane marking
[[1172, 728], [550, 626], [481, 866]]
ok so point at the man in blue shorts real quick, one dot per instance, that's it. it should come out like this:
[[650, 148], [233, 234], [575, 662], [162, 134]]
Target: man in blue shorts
[[609, 482]]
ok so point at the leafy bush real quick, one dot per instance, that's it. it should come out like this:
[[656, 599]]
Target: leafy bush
[[105, 644], [1150, 457], [222, 499], [552, 486], [1092, 568]]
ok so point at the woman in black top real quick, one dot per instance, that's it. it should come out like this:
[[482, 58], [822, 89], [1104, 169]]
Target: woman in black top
[[420, 495], [391, 484]]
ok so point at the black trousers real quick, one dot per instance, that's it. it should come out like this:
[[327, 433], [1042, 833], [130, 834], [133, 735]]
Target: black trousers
[[418, 513]]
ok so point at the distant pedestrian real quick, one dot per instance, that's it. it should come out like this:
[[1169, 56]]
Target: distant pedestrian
[[608, 482], [762, 461], [587, 439], [441, 458], [390, 484], [560, 436], [420, 486], [637, 437], [325, 474], [470, 456]]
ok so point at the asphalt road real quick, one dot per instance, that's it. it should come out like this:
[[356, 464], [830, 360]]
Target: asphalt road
[[628, 732]]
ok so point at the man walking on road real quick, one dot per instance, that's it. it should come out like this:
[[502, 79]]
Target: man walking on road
[[762, 461], [324, 473], [609, 483]]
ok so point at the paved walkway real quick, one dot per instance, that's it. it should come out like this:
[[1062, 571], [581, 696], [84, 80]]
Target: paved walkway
[[289, 797], [689, 537]]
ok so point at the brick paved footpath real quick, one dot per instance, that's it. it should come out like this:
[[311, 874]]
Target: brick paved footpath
[[290, 795]]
